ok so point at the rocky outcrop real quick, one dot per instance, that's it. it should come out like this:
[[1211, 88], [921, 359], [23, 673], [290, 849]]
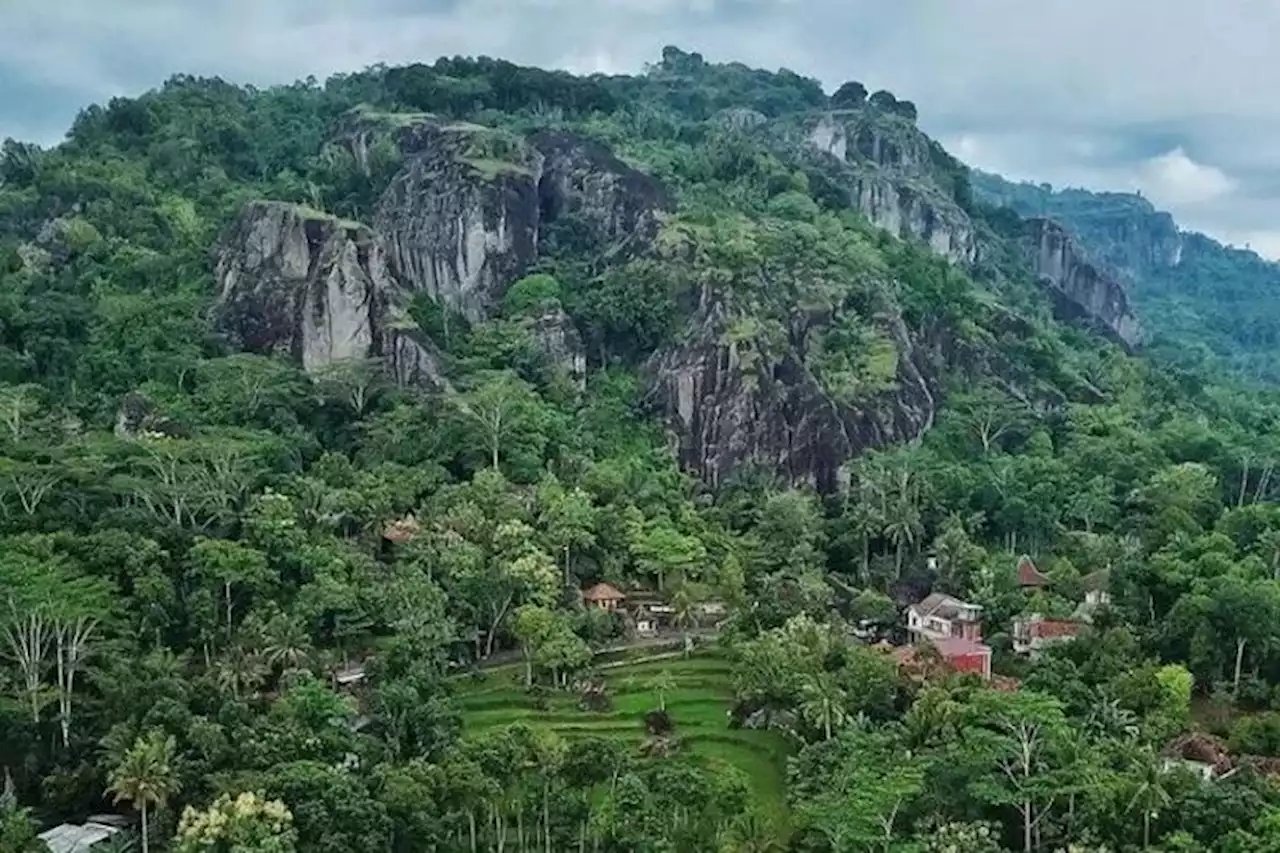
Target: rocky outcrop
[[732, 406], [297, 282], [620, 206], [137, 417], [460, 219], [300, 283], [558, 339], [891, 174], [464, 216], [1082, 291]]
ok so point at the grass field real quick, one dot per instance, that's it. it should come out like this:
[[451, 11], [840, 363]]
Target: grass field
[[699, 705]]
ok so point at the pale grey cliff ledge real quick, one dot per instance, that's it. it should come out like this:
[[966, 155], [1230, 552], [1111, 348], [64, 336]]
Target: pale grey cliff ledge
[[1082, 290], [886, 166]]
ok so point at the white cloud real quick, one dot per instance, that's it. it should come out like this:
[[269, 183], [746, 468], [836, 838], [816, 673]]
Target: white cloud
[[1173, 179]]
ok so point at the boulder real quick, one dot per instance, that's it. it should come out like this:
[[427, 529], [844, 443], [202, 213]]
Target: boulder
[[556, 335], [137, 417]]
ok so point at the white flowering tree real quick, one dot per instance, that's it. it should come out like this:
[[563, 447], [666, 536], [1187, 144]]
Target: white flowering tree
[[247, 823]]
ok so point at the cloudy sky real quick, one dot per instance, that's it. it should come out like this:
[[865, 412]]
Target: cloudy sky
[[1172, 97]]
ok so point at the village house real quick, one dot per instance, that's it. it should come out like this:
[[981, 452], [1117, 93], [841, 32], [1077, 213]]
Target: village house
[[1033, 633], [954, 628], [603, 596], [647, 612], [1029, 577]]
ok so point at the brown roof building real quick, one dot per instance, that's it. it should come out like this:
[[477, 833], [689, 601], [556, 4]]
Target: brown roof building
[[605, 596], [1029, 577]]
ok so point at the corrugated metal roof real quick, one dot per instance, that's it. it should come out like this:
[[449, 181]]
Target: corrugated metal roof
[[69, 838]]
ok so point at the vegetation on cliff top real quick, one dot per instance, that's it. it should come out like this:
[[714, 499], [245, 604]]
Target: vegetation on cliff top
[[1206, 303], [195, 541]]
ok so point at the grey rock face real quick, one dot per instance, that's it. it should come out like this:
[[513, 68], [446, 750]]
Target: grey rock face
[[732, 407], [299, 283], [886, 165], [558, 338], [580, 177], [1081, 291], [460, 219]]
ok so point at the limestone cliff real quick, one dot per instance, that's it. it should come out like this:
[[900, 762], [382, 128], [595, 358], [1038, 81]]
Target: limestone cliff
[[460, 218], [1082, 291], [297, 282], [733, 406], [619, 206], [895, 176], [1122, 231]]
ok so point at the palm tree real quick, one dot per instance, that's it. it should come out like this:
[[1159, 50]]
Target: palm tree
[[287, 646], [146, 776], [662, 684], [684, 601], [1111, 719], [1150, 794], [750, 832], [824, 704]]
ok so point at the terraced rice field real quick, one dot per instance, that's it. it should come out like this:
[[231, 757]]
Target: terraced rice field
[[699, 704]]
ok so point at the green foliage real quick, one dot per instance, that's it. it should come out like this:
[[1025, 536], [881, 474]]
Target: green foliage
[[245, 824], [1204, 302], [220, 574], [531, 295]]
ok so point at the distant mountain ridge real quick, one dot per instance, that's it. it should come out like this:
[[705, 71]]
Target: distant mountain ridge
[[1200, 301]]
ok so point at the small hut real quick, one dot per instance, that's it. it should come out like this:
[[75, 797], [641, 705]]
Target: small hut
[[603, 596]]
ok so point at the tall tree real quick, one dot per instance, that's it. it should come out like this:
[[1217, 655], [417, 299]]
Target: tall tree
[[146, 776]]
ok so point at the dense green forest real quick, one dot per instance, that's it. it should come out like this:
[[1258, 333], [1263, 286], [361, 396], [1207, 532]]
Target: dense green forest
[[1205, 303], [253, 602]]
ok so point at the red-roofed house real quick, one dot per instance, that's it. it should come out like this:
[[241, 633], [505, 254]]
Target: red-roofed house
[[1032, 633], [941, 616], [1029, 577], [604, 596], [954, 628]]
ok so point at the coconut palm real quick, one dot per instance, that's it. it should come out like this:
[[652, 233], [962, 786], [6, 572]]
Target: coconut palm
[[823, 704], [1150, 793], [146, 776]]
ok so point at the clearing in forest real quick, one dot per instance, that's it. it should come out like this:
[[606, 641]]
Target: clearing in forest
[[699, 704]]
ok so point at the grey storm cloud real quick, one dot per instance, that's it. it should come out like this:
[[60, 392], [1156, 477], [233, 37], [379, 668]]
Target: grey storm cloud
[[1174, 98]]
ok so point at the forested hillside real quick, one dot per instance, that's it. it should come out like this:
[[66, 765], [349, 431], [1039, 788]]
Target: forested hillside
[[1205, 303], [468, 457]]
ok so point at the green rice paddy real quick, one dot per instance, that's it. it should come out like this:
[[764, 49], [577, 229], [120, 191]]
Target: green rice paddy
[[699, 705]]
